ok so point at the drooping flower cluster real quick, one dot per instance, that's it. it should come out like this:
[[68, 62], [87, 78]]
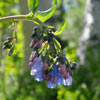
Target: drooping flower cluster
[[47, 61], [9, 44]]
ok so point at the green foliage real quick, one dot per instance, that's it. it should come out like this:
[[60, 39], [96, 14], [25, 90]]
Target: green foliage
[[33, 5], [45, 15], [57, 45], [17, 84], [41, 15], [54, 2], [60, 30]]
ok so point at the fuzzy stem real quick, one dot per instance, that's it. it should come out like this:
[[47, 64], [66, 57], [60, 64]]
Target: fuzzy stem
[[21, 17]]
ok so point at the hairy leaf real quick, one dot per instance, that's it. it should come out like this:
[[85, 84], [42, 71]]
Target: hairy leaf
[[57, 45], [60, 30], [45, 15], [33, 5]]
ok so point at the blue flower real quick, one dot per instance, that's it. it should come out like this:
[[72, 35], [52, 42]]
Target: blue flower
[[33, 72], [68, 81], [51, 85], [60, 79], [39, 76], [54, 71], [37, 66]]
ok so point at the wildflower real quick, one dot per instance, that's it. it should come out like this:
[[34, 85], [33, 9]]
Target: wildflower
[[68, 81], [39, 76], [32, 44], [39, 44], [47, 61], [60, 79], [44, 65], [46, 77], [37, 64], [51, 85]]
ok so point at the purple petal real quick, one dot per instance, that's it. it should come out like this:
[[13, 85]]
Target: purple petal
[[68, 81], [60, 80], [39, 76], [51, 85], [33, 72], [37, 65]]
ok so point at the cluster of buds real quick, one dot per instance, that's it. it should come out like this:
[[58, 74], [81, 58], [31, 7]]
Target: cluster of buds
[[9, 44], [10, 41], [47, 61]]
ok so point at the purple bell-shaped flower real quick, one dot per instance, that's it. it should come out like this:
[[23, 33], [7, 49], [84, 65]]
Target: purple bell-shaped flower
[[60, 79], [51, 85], [33, 72], [37, 66], [68, 81], [39, 76]]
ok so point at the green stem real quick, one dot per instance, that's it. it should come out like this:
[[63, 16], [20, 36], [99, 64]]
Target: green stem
[[20, 17]]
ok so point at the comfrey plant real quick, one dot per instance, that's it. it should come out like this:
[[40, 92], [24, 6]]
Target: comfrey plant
[[47, 60]]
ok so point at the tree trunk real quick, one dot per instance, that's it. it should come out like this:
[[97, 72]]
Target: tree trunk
[[89, 51], [91, 33]]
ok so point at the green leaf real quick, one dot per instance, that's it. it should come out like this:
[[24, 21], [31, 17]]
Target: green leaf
[[48, 26], [57, 45], [60, 30], [45, 15], [54, 2], [33, 5], [57, 42]]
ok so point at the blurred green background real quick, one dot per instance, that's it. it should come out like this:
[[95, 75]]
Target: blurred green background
[[15, 80]]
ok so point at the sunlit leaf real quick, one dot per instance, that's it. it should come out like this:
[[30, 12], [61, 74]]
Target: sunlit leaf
[[33, 5], [57, 45], [45, 15], [60, 30], [48, 26], [54, 2]]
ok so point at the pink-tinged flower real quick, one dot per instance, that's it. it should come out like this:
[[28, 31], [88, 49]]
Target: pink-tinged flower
[[62, 68], [32, 44], [60, 79], [44, 65], [51, 85], [65, 75], [39, 44], [31, 64], [37, 64], [69, 71], [32, 57], [39, 76], [33, 72], [9, 53], [68, 81], [54, 80], [46, 77]]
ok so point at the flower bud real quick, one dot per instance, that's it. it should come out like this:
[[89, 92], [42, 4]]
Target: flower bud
[[30, 64], [32, 44], [32, 57], [39, 44], [9, 53]]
